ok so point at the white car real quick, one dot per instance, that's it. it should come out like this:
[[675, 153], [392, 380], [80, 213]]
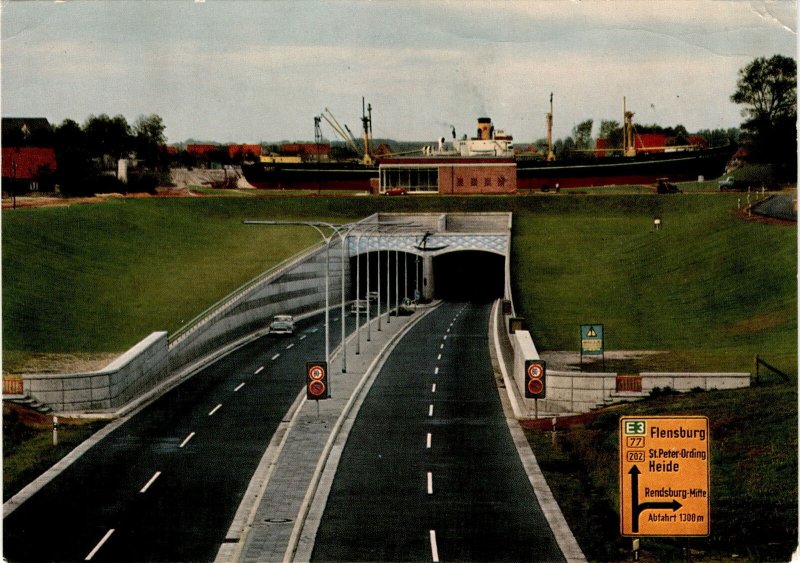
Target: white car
[[359, 307], [282, 324]]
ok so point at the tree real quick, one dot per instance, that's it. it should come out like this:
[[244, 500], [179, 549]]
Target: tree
[[768, 90], [108, 137], [611, 131], [582, 133], [148, 132]]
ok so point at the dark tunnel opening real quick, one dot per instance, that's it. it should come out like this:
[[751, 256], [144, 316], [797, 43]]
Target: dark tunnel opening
[[469, 275]]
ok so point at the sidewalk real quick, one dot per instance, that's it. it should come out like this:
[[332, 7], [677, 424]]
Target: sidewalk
[[270, 518]]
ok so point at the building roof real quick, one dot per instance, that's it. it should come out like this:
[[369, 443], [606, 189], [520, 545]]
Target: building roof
[[28, 163], [26, 131]]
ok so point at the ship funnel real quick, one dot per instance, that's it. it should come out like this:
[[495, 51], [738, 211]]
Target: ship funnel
[[485, 129]]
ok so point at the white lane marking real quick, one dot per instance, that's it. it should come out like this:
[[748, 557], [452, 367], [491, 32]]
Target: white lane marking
[[275, 357], [430, 410], [186, 440], [448, 331], [441, 346], [433, 389], [436, 371], [215, 409], [239, 387], [428, 441], [430, 483], [259, 370], [439, 357], [290, 346], [150, 482], [444, 337], [434, 547], [99, 545], [313, 330], [302, 337]]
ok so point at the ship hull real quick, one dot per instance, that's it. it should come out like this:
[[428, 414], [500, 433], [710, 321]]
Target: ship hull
[[531, 174]]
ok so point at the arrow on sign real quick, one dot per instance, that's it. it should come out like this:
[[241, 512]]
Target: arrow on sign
[[637, 509]]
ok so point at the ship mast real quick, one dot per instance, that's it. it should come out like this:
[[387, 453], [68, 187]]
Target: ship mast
[[366, 120], [628, 145], [550, 155]]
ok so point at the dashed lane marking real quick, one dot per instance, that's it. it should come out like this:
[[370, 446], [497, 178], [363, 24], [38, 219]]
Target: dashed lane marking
[[99, 545], [275, 357], [215, 409], [430, 483], [430, 410], [433, 388], [239, 387], [150, 482], [428, 441], [259, 370], [434, 547], [290, 346], [186, 440]]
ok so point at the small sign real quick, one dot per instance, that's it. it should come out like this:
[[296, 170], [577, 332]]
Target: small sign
[[663, 476], [592, 340]]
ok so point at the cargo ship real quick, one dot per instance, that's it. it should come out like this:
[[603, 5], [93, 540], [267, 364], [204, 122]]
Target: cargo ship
[[632, 164]]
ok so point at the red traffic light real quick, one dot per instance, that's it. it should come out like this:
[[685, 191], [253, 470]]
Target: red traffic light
[[535, 379], [317, 381]]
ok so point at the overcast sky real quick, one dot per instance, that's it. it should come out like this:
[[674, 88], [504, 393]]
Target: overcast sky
[[256, 71]]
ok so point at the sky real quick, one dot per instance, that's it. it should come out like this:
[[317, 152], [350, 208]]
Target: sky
[[259, 71]]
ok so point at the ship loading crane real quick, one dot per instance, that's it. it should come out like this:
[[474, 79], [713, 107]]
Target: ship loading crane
[[347, 135]]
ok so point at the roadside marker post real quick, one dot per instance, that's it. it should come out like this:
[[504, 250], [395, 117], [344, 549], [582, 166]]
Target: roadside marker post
[[664, 476]]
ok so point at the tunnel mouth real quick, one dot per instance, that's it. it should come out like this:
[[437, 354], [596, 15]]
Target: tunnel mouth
[[469, 275]]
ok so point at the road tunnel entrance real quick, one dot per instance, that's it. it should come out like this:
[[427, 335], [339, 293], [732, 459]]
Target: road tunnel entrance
[[469, 275]]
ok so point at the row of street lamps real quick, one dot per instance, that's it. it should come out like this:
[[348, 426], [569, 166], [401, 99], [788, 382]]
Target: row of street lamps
[[343, 230]]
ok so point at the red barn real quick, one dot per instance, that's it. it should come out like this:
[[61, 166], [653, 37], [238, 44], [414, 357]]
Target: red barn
[[28, 165]]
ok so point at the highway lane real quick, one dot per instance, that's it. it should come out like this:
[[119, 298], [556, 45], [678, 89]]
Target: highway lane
[[165, 485], [430, 471]]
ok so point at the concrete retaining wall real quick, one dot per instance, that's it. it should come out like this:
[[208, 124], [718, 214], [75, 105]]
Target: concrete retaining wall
[[135, 371], [296, 288]]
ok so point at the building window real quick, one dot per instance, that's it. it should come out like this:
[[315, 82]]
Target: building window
[[424, 179], [501, 181], [487, 182], [460, 182], [473, 182]]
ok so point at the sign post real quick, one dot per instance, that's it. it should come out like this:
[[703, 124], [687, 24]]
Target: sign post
[[592, 343], [663, 476]]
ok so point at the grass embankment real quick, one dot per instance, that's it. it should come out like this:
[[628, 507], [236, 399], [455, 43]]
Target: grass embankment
[[709, 288]]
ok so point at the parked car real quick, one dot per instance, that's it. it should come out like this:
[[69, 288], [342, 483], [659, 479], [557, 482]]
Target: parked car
[[359, 307], [372, 296], [282, 324]]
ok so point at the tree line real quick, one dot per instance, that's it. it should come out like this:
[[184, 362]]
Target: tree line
[[87, 155]]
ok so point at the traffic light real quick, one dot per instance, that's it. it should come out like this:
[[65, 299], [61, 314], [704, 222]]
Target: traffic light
[[317, 381], [535, 380]]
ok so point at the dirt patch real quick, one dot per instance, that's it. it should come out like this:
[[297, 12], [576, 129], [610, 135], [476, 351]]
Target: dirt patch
[[616, 361], [42, 362]]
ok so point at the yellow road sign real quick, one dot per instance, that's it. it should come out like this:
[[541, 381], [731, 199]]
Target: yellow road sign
[[663, 476]]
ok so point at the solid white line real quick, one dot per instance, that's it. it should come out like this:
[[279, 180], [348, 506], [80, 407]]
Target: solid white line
[[430, 483], [275, 357], [290, 346], [430, 410], [259, 370], [215, 409], [302, 337], [434, 548], [239, 387], [150, 482], [433, 389], [186, 440], [436, 371], [99, 545], [428, 441]]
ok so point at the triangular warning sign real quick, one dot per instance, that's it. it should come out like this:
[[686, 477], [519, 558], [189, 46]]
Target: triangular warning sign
[[591, 332]]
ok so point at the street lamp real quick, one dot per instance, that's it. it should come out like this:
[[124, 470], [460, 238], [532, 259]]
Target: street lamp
[[336, 229]]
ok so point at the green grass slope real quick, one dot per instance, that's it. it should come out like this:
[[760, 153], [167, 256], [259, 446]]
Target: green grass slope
[[711, 288]]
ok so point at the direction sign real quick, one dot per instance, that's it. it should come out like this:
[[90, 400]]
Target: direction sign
[[663, 476]]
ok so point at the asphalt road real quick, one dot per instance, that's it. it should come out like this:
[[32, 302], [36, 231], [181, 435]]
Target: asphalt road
[[165, 485], [430, 471]]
